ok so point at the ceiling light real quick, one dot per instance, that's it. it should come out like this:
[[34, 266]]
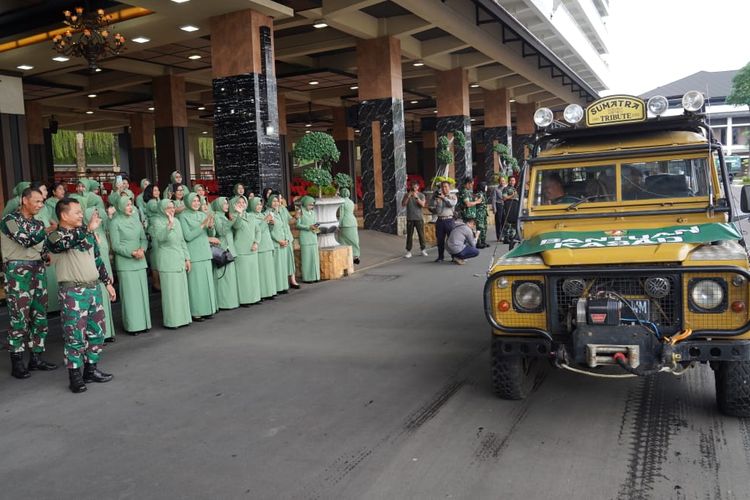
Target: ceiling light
[[204, 132], [180, 1], [418, 63], [434, 111], [98, 70], [307, 131], [201, 108], [308, 125], [61, 59], [25, 67], [410, 141], [89, 112], [474, 85], [320, 24], [314, 82], [189, 28], [91, 96], [151, 108], [88, 35], [141, 39], [194, 57], [354, 87], [356, 131], [473, 119], [511, 100], [414, 102]]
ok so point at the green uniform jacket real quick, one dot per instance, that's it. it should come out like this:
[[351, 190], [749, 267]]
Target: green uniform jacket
[[306, 236], [246, 233], [265, 243], [127, 235], [196, 236], [346, 214], [223, 228], [173, 251]]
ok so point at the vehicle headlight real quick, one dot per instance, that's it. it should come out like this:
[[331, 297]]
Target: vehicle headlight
[[543, 117], [692, 100], [573, 113], [528, 296], [657, 105], [707, 294]]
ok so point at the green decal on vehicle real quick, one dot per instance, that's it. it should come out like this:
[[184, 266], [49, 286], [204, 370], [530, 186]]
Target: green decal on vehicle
[[698, 233]]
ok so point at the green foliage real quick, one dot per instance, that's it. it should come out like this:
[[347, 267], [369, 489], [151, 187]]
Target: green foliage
[[343, 180], [64, 146], [99, 147], [318, 191], [508, 162], [318, 176], [440, 179], [460, 138], [318, 148], [443, 154], [501, 149], [746, 180], [206, 149], [740, 93]]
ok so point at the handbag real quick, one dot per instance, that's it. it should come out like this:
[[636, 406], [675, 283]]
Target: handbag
[[221, 257]]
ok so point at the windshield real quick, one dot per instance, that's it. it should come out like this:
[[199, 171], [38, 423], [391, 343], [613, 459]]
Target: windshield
[[627, 181]]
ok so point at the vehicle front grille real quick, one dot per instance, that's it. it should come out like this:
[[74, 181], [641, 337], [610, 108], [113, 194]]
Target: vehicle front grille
[[665, 312]]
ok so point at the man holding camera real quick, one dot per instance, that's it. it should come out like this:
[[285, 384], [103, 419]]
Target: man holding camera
[[443, 205], [414, 201]]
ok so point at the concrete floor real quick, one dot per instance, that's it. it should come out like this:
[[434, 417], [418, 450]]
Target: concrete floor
[[375, 386]]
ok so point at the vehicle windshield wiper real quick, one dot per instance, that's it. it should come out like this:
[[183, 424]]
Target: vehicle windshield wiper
[[585, 199]]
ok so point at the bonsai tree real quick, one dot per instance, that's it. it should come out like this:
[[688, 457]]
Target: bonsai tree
[[343, 180], [510, 164], [318, 152]]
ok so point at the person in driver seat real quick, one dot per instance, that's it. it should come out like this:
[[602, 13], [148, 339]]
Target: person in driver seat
[[553, 190]]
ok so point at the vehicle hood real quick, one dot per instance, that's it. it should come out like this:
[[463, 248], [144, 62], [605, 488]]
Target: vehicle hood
[[631, 246]]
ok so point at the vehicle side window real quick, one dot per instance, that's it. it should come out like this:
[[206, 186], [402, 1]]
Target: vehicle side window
[[569, 185], [674, 178]]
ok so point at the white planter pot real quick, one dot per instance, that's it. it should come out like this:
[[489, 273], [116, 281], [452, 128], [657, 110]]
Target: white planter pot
[[325, 210]]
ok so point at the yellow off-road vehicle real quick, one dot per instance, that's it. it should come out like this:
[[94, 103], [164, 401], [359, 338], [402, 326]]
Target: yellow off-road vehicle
[[630, 260]]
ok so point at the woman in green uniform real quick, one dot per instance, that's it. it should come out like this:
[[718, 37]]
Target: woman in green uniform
[[14, 202], [174, 262], [48, 218], [92, 196], [139, 201], [225, 278], [266, 266], [287, 218], [195, 225], [174, 178], [348, 233], [308, 240], [151, 197], [56, 193], [246, 239], [103, 242], [280, 244], [239, 190], [179, 191], [129, 245]]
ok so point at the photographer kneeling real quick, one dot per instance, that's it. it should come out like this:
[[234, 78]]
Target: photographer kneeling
[[462, 242]]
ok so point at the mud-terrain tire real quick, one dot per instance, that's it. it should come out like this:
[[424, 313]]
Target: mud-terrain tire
[[512, 376], [733, 388]]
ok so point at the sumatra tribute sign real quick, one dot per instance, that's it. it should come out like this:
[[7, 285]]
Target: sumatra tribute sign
[[615, 109]]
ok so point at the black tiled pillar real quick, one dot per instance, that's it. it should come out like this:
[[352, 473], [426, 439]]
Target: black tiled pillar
[[453, 118], [381, 132], [491, 160], [141, 149], [247, 147], [448, 126]]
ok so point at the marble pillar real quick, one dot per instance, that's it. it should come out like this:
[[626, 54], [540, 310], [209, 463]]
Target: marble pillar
[[497, 128], [429, 149], [525, 128], [343, 134], [383, 157], [170, 120], [140, 143], [247, 146], [453, 118], [491, 160], [448, 126]]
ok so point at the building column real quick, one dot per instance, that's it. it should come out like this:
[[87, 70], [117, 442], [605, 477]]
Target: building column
[[35, 137], [123, 147], [246, 120], [14, 156], [429, 147], [382, 135], [453, 116], [142, 148], [170, 117], [286, 165], [497, 128], [343, 134], [525, 129]]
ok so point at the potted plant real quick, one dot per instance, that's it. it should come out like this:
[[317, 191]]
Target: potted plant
[[316, 152]]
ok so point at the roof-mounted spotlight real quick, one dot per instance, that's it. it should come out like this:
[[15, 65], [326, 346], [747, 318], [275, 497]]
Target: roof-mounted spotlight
[[543, 117], [573, 113], [692, 101], [657, 105]]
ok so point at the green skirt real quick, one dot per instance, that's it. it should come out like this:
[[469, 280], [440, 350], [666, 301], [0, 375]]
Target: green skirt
[[310, 262], [350, 236], [109, 328], [267, 272], [225, 282], [53, 301], [201, 289], [175, 302], [281, 268], [136, 313], [290, 257], [248, 278]]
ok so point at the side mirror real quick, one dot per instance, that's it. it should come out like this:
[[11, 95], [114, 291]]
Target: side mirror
[[745, 199]]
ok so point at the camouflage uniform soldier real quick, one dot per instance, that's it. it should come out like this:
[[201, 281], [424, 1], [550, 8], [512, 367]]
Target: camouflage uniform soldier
[[481, 215], [22, 245], [80, 267]]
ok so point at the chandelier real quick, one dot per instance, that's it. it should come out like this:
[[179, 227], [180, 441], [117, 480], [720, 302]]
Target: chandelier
[[88, 36]]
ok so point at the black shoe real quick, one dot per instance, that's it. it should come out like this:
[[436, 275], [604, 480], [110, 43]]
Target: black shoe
[[295, 286], [17, 369], [92, 374], [37, 363], [283, 292], [439, 259], [210, 316], [76, 381], [356, 261], [110, 340]]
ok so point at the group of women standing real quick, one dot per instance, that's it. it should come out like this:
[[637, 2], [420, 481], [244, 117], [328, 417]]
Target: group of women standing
[[178, 237]]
